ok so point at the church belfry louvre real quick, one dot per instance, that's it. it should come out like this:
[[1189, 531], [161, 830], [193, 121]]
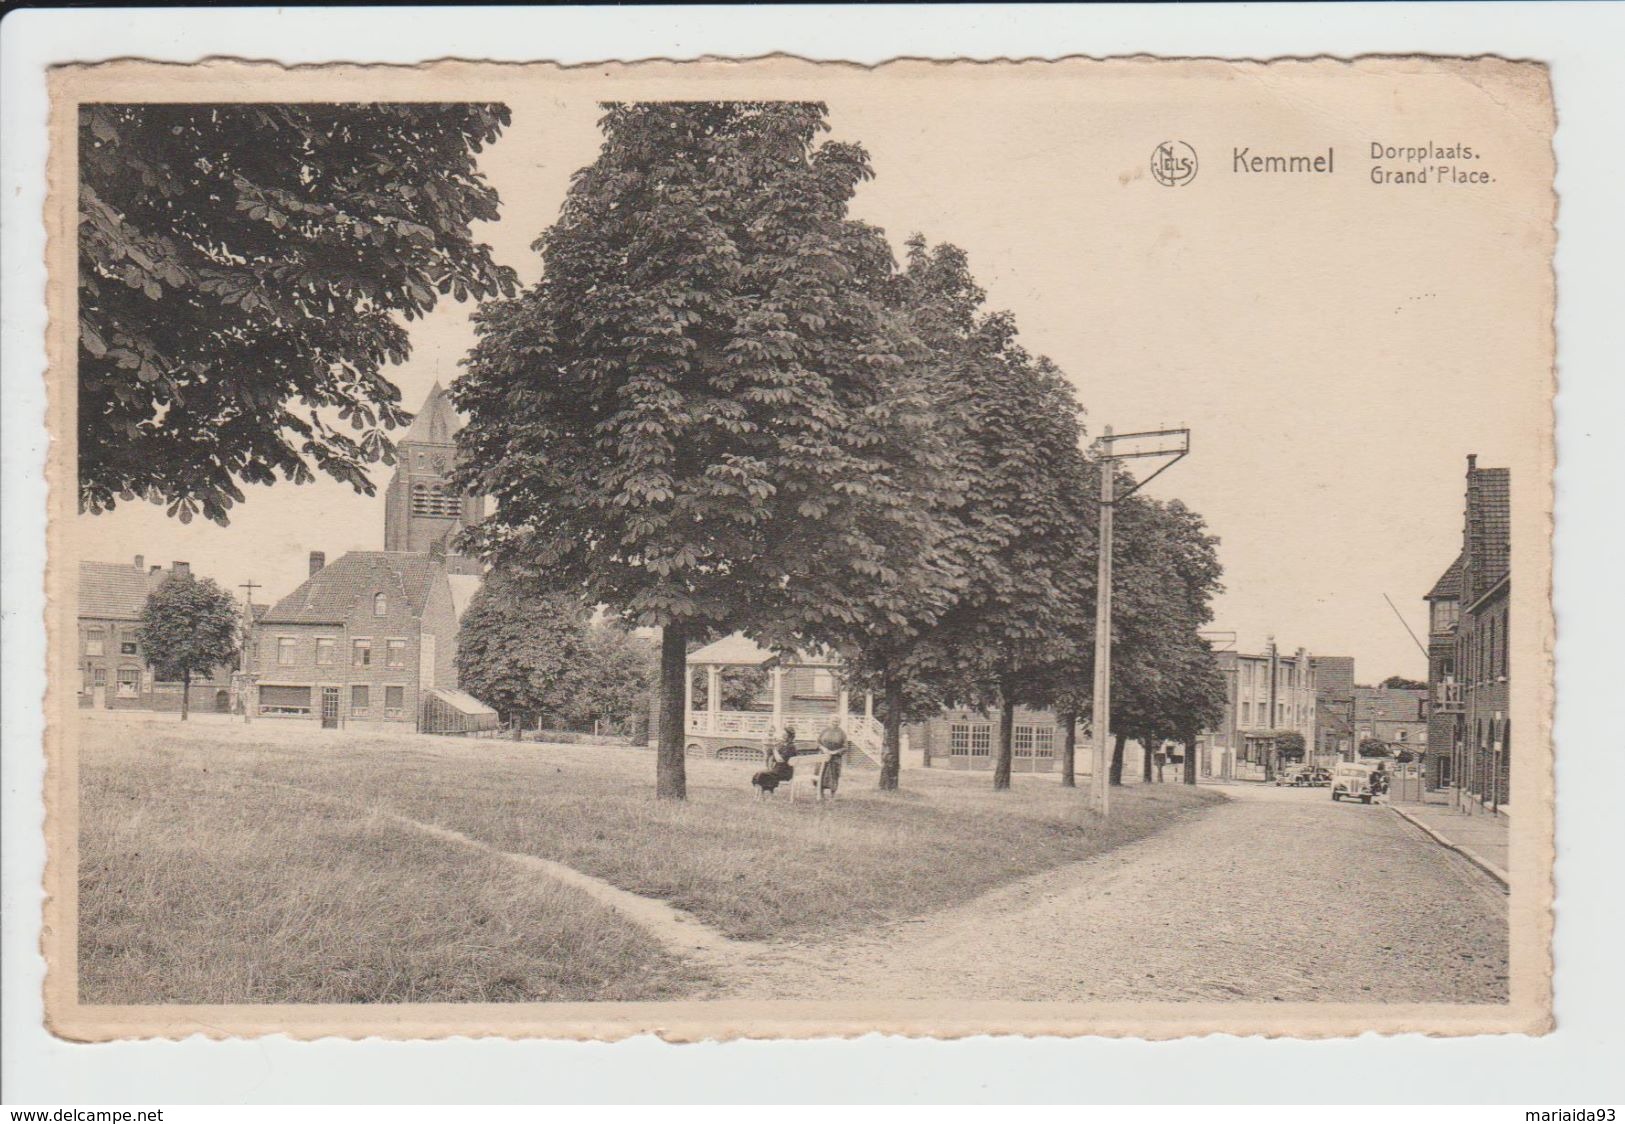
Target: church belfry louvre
[[421, 510]]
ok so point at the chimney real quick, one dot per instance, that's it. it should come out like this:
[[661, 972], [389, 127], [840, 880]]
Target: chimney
[[317, 561], [1472, 463], [181, 569], [156, 569], [140, 562]]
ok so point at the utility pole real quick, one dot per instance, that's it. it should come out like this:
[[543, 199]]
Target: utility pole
[[1100, 783], [1173, 444], [245, 674]]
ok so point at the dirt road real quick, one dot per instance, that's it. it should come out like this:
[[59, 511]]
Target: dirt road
[[1252, 900]]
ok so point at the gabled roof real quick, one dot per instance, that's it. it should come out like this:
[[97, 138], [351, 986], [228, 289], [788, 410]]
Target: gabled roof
[[436, 422], [736, 650], [115, 590], [331, 594], [1489, 528], [1448, 587]]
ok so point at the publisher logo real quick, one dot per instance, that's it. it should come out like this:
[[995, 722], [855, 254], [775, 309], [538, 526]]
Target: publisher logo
[[1173, 163]]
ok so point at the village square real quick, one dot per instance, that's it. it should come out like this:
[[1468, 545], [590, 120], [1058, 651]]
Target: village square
[[748, 610]]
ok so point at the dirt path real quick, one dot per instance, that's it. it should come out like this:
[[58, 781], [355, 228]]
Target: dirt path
[[1251, 900]]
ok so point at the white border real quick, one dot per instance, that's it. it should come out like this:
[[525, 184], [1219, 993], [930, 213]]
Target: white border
[[1578, 1064]]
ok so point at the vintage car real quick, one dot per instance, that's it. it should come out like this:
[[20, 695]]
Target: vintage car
[[1355, 781]]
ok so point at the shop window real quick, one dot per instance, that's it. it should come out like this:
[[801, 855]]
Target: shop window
[[129, 682], [394, 701], [359, 700]]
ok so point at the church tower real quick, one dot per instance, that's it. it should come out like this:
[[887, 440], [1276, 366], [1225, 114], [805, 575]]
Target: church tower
[[422, 512]]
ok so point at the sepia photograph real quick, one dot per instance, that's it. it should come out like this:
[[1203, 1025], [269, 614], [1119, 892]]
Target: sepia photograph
[[773, 549]]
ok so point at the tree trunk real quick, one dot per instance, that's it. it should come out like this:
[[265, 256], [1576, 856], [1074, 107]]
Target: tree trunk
[[671, 783], [891, 719], [1117, 759], [1069, 748], [1146, 755], [1007, 725], [1190, 758], [186, 694]]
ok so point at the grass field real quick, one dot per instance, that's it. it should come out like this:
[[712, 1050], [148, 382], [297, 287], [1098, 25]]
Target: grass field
[[231, 863]]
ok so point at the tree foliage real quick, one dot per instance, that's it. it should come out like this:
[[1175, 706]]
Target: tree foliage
[[1014, 423], [1400, 683], [688, 418], [243, 270], [189, 627], [521, 650]]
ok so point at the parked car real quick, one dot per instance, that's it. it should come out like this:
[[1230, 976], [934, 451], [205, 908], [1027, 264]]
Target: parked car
[[1355, 782], [1289, 776], [1315, 778]]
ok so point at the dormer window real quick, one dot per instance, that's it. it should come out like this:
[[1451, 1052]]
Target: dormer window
[[1445, 615], [380, 605]]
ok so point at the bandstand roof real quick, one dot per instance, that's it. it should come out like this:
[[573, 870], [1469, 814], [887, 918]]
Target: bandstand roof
[[739, 650]]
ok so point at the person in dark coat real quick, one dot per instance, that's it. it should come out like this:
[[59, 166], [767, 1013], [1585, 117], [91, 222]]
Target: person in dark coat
[[778, 768]]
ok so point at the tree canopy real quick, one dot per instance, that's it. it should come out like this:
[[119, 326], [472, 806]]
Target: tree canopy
[[189, 626], [1400, 683], [520, 650], [689, 417], [243, 271]]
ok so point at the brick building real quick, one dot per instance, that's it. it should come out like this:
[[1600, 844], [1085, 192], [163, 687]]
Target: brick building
[[1444, 690], [962, 738], [1468, 645], [1395, 716], [363, 639], [1334, 708], [373, 636], [113, 670], [1266, 694]]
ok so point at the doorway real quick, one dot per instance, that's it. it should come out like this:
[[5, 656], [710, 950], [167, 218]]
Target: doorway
[[330, 708]]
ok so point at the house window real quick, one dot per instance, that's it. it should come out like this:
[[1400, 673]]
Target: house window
[[101, 677], [394, 701], [981, 740], [1246, 713], [127, 647], [94, 640], [129, 682], [959, 740], [380, 605], [396, 656], [358, 700], [284, 651], [325, 646], [823, 681], [1402, 735], [1043, 741], [361, 653], [1021, 741], [1445, 614]]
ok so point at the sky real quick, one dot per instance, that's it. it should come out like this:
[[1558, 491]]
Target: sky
[[1336, 346]]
